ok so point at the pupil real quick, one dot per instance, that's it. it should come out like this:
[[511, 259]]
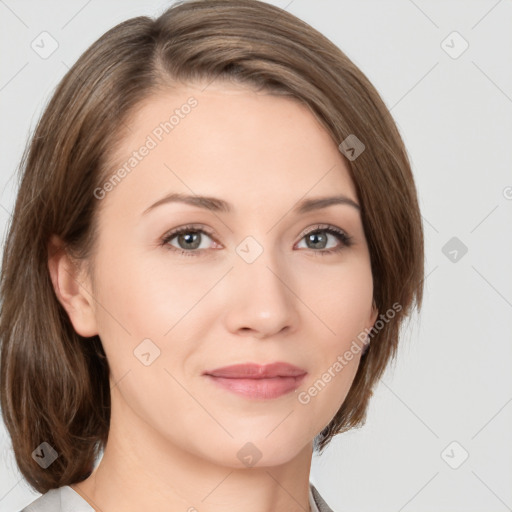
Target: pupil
[[316, 236], [189, 239]]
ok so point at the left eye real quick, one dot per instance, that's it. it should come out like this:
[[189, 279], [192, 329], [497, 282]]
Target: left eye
[[319, 236]]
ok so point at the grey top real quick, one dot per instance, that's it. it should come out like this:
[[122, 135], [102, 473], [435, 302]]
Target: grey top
[[66, 499]]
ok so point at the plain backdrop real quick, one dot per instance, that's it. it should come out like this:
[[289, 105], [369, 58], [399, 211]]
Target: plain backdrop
[[438, 431]]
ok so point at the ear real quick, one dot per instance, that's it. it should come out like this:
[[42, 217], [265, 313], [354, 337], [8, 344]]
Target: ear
[[374, 314], [72, 288], [371, 322]]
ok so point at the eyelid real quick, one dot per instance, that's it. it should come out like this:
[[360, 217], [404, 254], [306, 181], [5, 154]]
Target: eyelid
[[323, 227]]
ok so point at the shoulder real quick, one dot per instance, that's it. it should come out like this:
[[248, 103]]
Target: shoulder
[[320, 503], [46, 502], [63, 499]]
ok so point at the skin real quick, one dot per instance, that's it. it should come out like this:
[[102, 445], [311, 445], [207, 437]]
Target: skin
[[174, 436]]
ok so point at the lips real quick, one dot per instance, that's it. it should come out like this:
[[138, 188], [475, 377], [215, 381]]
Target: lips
[[256, 371], [258, 381]]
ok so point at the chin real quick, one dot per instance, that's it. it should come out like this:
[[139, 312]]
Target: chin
[[259, 450]]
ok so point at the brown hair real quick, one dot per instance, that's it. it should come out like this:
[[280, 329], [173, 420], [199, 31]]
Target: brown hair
[[54, 382]]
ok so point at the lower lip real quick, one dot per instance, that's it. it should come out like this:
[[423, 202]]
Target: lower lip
[[260, 388]]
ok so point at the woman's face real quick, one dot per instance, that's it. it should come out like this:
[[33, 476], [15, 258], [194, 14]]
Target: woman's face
[[244, 283]]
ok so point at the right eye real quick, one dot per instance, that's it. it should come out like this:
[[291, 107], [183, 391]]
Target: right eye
[[189, 240]]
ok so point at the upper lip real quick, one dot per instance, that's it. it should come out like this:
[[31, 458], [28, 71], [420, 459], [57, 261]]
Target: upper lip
[[257, 371]]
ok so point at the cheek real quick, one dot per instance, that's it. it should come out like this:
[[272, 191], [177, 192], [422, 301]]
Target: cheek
[[342, 313], [144, 295], [141, 298], [340, 299]]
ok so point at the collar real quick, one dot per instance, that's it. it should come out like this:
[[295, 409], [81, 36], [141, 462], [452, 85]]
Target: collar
[[316, 502]]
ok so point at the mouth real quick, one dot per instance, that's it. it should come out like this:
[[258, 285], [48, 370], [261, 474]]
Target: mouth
[[256, 381]]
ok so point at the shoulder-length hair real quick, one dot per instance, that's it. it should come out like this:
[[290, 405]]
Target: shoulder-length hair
[[54, 382]]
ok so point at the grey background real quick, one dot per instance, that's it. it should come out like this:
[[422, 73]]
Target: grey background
[[452, 380]]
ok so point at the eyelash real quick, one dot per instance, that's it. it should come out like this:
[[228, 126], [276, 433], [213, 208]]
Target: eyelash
[[346, 240]]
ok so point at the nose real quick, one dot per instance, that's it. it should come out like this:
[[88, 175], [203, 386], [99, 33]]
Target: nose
[[261, 298]]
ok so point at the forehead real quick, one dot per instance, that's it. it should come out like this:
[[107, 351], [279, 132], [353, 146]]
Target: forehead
[[227, 140]]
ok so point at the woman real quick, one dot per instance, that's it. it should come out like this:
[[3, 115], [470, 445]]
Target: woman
[[215, 241]]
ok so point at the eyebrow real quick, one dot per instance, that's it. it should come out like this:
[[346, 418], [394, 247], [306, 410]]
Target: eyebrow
[[219, 205]]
